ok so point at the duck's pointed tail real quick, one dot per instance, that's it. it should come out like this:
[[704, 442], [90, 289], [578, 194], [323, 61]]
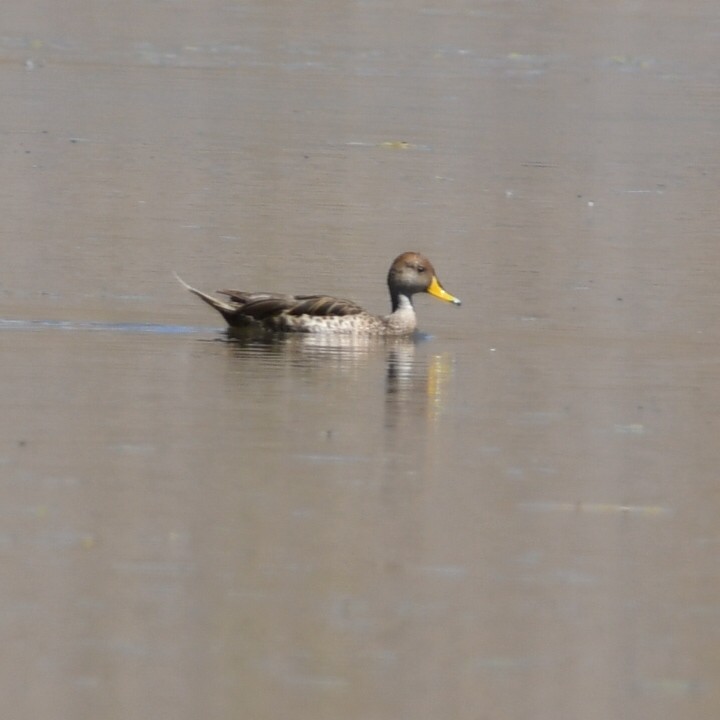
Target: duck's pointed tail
[[225, 309]]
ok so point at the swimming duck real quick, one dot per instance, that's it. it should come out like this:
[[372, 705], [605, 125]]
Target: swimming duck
[[410, 273]]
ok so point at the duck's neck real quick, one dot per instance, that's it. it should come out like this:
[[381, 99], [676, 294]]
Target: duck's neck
[[401, 303], [402, 319]]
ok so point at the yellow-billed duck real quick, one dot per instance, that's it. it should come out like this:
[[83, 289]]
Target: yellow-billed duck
[[409, 274]]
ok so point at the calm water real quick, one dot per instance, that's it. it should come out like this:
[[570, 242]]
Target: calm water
[[513, 516]]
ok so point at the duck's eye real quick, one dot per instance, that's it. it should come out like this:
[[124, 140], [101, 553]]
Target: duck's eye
[[421, 268]]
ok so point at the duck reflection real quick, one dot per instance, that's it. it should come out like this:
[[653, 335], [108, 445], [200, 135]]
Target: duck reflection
[[416, 378], [413, 380]]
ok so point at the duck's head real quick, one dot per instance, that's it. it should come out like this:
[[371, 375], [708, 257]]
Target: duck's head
[[413, 273]]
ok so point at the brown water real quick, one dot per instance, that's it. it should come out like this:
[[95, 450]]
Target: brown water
[[515, 517]]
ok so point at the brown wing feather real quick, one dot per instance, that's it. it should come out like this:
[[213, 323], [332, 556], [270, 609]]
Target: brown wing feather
[[241, 297], [324, 306], [261, 306]]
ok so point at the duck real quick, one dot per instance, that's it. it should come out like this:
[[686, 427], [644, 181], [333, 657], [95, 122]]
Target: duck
[[410, 273]]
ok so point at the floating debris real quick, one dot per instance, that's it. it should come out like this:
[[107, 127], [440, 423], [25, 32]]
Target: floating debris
[[630, 429], [596, 508], [396, 144]]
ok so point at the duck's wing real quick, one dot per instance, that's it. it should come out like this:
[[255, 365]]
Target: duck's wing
[[263, 306], [252, 309]]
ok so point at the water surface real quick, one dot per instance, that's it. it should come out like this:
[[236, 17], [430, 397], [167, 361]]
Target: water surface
[[513, 515]]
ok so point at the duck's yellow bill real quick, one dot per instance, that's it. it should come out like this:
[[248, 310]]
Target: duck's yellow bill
[[436, 290]]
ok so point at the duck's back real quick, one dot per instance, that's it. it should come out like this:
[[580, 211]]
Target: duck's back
[[303, 313]]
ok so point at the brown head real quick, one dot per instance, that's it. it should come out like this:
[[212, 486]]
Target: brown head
[[413, 273]]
